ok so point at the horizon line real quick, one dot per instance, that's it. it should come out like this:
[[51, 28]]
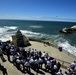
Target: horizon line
[[38, 18]]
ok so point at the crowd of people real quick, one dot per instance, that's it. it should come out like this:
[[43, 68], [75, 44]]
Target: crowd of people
[[24, 59]]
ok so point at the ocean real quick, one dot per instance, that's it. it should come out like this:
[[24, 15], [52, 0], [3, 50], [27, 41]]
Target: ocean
[[40, 30]]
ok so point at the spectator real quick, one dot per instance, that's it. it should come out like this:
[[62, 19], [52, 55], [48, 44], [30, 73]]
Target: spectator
[[59, 72], [48, 65], [60, 48], [66, 73], [58, 66], [1, 55], [18, 62], [36, 64], [27, 65], [73, 65]]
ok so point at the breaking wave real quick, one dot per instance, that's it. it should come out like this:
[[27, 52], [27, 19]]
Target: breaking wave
[[10, 27], [68, 47], [34, 34], [65, 45], [5, 32]]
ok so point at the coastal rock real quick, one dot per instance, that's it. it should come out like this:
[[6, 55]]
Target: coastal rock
[[20, 40], [73, 27], [66, 30]]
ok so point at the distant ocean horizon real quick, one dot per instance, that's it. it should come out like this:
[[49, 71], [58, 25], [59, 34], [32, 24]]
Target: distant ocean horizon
[[40, 30]]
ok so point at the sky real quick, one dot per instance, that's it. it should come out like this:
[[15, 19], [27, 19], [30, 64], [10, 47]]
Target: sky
[[38, 9]]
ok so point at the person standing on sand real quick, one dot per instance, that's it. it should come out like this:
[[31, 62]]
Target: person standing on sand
[[59, 72], [18, 62], [58, 66], [3, 69], [1, 55], [48, 65], [66, 73], [27, 65], [60, 49], [36, 64], [8, 52], [73, 65]]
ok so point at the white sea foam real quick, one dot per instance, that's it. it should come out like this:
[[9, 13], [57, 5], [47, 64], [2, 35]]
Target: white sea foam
[[11, 27], [3, 30], [68, 47], [36, 26], [34, 34], [4, 34], [29, 32]]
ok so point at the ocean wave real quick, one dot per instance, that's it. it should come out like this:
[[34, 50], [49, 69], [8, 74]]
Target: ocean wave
[[6, 35], [68, 47], [30, 32], [36, 26], [11, 27], [34, 34], [5, 32]]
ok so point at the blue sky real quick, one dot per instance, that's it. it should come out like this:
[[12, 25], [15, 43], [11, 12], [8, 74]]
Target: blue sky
[[38, 9]]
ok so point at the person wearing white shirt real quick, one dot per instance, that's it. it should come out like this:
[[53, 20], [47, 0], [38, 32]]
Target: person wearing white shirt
[[69, 71], [40, 63], [59, 72], [22, 63], [73, 65], [48, 65], [12, 50], [44, 54], [32, 51], [37, 64], [35, 51], [27, 65], [31, 61], [55, 68], [14, 59], [18, 62], [66, 73]]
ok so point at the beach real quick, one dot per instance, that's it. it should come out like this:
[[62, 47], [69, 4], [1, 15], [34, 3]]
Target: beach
[[61, 56]]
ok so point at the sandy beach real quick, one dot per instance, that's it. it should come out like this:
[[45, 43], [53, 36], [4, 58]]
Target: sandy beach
[[64, 58]]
